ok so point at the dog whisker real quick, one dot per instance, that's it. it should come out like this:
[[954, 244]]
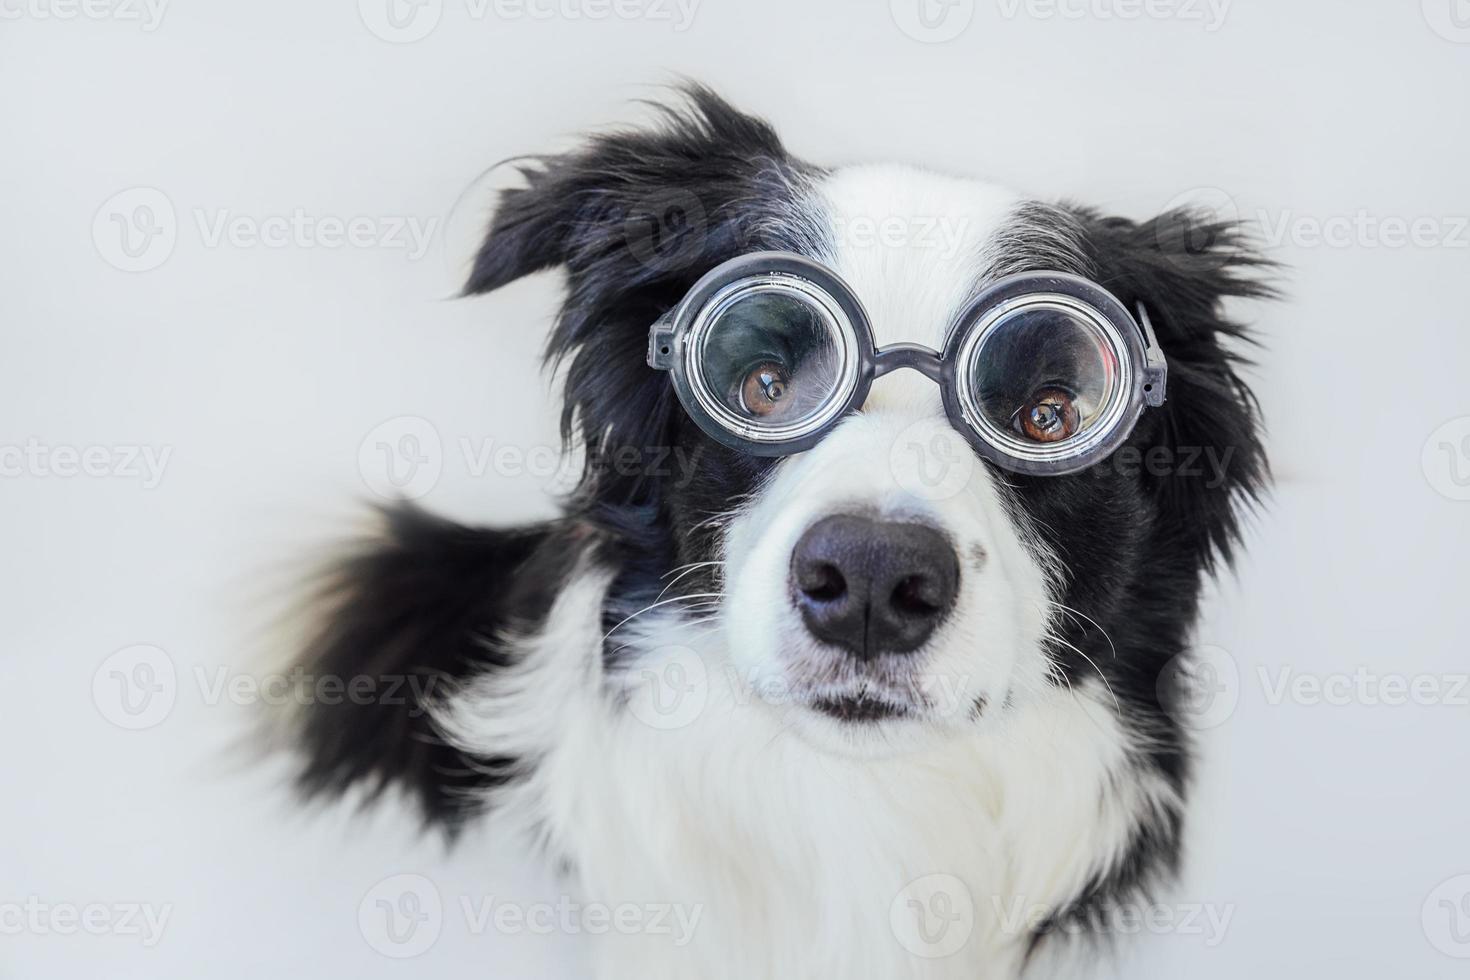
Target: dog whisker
[[687, 570], [1101, 676], [684, 569], [1075, 612], [662, 602]]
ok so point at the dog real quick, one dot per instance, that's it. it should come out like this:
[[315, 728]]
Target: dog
[[699, 689]]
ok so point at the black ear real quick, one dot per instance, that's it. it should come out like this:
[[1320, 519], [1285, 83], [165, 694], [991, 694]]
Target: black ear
[[635, 217], [642, 199], [1182, 266]]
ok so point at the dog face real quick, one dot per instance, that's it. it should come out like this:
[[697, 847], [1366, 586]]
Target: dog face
[[888, 585], [882, 580]]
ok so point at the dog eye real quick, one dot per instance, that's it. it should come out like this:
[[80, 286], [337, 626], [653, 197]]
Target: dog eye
[[766, 390], [1049, 415]]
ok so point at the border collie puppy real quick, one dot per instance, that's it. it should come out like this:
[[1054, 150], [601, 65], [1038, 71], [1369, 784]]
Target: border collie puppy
[[834, 653]]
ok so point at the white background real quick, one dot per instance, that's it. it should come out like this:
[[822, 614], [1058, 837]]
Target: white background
[[1322, 828]]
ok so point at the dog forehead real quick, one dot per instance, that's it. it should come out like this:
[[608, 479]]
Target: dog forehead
[[912, 244]]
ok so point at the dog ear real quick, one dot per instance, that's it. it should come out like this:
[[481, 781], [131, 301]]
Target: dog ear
[[1182, 266], [634, 217], [643, 201]]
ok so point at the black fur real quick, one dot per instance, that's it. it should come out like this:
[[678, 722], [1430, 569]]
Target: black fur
[[1137, 537], [409, 614], [635, 218]]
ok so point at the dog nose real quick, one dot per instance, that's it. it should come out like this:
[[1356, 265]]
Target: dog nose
[[872, 586]]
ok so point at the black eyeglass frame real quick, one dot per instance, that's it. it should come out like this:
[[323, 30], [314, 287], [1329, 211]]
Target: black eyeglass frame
[[673, 346]]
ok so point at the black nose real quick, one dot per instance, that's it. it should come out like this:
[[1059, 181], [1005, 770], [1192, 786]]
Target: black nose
[[873, 586]]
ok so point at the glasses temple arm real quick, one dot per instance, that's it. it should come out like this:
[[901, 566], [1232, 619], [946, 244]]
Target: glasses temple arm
[[1155, 367], [661, 342]]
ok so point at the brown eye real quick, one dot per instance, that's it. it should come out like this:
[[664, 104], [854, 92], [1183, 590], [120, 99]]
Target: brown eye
[[1048, 415], [766, 391]]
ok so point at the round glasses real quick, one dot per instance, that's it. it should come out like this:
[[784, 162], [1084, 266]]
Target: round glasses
[[1043, 372]]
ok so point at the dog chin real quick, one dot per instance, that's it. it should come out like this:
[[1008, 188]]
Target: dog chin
[[861, 725]]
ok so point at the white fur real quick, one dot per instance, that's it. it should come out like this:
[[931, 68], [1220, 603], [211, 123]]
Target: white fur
[[792, 858], [697, 776]]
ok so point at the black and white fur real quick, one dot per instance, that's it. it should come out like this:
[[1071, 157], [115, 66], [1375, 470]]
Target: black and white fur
[[1040, 769]]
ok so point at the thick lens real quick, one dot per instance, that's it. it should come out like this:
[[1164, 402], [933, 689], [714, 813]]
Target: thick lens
[[1044, 378], [772, 357]]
